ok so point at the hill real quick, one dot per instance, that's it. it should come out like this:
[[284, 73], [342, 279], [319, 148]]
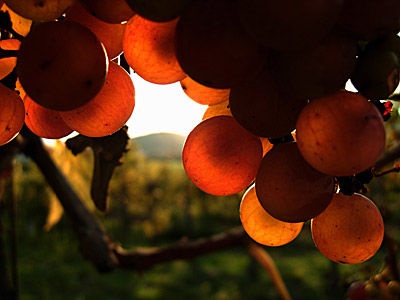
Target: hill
[[161, 145]]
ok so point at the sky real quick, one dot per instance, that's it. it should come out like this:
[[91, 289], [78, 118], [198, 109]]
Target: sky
[[162, 108]]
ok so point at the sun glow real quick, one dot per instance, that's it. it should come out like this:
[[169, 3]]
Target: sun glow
[[162, 108]]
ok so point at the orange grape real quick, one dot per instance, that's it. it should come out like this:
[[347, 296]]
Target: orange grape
[[20, 24], [61, 65], [44, 122], [213, 48], [203, 94], [12, 114], [350, 230], [341, 134], [7, 64], [44, 10], [220, 157], [149, 50], [109, 110], [261, 226], [289, 24], [109, 34], [220, 109], [261, 108], [110, 11], [288, 188]]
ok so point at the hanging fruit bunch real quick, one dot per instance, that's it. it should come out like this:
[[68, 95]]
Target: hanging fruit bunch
[[280, 125]]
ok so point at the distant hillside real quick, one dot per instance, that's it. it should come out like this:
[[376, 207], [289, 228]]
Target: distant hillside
[[161, 145]]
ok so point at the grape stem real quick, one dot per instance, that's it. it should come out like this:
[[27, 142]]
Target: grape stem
[[395, 97], [266, 261], [395, 169], [8, 53]]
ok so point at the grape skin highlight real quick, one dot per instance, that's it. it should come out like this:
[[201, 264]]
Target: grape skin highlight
[[350, 230], [341, 134], [220, 157], [261, 226]]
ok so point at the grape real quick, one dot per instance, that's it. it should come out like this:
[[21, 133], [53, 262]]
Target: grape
[[289, 24], [341, 134], [220, 109], [356, 291], [159, 10], [44, 10], [261, 226], [262, 109], [12, 114], [108, 111], [376, 75], [349, 230], [315, 71], [109, 34], [370, 19], [110, 11], [213, 48], [44, 122], [61, 65], [20, 24], [220, 157], [7, 64], [202, 94], [149, 50], [288, 188]]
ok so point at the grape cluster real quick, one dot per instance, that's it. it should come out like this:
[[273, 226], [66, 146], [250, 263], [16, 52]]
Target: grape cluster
[[68, 78], [379, 286], [280, 124], [284, 67]]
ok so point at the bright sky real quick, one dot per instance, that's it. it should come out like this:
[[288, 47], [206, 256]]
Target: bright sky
[[162, 108]]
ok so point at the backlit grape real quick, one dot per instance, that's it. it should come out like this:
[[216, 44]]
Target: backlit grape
[[350, 230], [12, 114], [288, 188], [149, 50], [221, 157], [109, 110], [261, 226], [341, 134], [61, 65]]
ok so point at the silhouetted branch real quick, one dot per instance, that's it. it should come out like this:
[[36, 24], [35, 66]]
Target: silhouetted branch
[[94, 243], [141, 259]]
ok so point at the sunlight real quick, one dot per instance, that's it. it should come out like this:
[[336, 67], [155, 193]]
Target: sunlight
[[162, 108]]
